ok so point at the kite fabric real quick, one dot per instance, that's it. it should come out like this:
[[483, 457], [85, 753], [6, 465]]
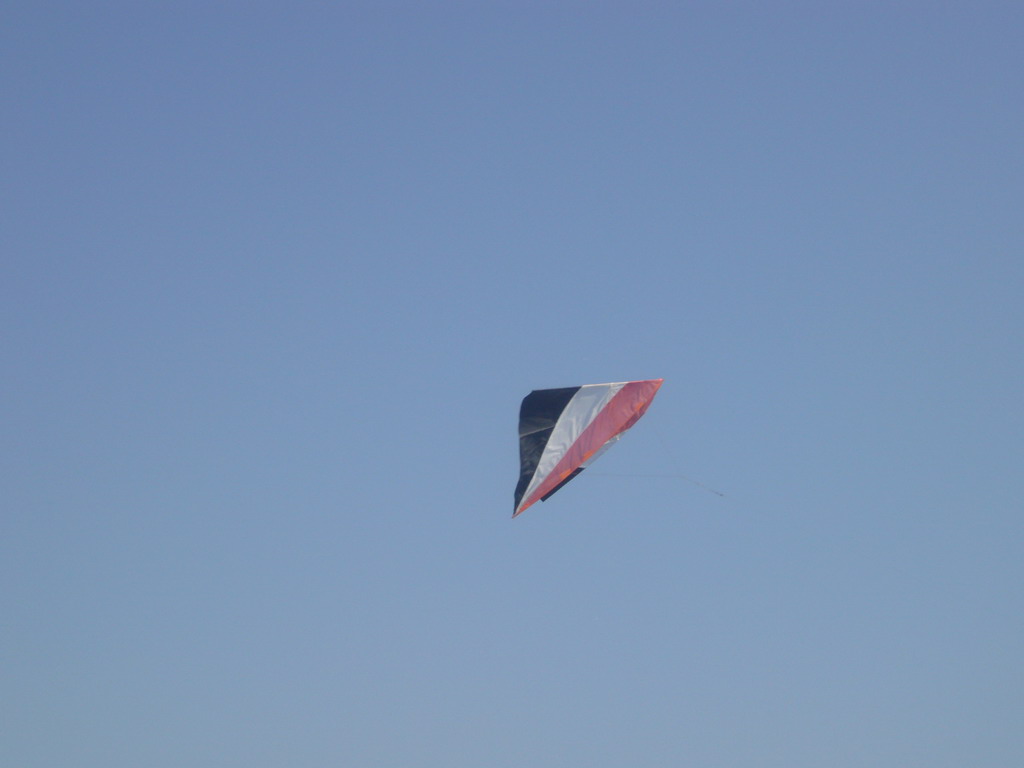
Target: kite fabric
[[562, 431]]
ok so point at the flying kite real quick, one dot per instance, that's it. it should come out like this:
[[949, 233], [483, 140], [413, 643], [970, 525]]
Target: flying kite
[[562, 431]]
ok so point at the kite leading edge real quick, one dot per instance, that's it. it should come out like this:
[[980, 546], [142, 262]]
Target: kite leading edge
[[562, 431]]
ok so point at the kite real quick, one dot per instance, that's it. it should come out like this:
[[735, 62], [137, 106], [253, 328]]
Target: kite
[[562, 431]]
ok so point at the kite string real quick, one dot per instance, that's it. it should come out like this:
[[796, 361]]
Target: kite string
[[670, 452], [672, 457], [675, 475]]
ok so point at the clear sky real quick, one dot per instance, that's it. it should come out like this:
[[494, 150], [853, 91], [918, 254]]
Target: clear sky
[[275, 278]]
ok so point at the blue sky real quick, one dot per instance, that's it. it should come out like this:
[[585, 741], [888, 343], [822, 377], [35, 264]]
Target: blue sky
[[276, 277]]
